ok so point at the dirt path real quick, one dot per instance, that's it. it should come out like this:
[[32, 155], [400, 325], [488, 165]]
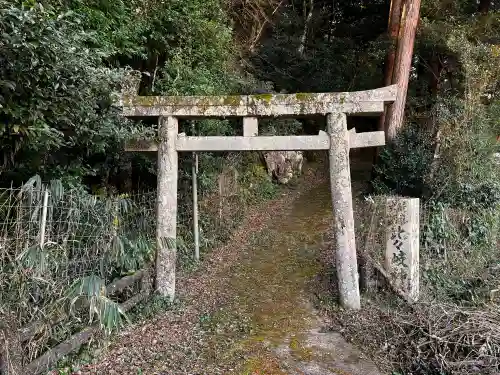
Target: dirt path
[[248, 310]]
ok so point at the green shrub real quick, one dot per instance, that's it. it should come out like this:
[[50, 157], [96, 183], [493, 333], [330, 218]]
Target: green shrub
[[403, 165]]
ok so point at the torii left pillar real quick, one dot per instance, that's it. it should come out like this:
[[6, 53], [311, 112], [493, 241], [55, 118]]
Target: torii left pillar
[[166, 230]]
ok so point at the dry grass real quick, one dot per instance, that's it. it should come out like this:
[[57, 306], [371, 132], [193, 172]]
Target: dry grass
[[429, 338], [436, 336]]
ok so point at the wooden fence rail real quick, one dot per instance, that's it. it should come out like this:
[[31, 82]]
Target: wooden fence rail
[[12, 343]]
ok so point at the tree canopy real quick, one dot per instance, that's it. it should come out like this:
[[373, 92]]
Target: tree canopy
[[63, 60]]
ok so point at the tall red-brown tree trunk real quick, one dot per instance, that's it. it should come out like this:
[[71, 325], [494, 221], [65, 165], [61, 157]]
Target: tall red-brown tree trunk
[[394, 26], [484, 6], [402, 68], [395, 15]]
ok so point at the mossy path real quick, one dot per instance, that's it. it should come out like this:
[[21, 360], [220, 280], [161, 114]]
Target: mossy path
[[248, 310]]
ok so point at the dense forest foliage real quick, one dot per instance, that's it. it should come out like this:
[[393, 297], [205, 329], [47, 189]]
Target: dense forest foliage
[[63, 60], [62, 64]]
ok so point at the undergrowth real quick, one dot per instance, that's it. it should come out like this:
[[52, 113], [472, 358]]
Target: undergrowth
[[253, 185], [445, 156], [449, 165]]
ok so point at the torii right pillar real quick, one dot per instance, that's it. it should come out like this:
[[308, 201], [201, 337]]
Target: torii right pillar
[[340, 183]]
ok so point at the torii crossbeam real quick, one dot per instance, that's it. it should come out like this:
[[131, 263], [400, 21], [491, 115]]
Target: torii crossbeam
[[338, 140]]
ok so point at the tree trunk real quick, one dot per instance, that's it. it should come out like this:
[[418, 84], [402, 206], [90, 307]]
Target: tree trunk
[[308, 20], [125, 176], [402, 68], [395, 19], [435, 69], [484, 6], [393, 31]]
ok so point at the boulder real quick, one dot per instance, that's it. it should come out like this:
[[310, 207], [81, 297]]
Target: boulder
[[283, 165], [131, 83]]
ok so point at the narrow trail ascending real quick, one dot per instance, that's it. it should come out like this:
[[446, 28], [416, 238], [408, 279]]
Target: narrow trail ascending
[[248, 309]]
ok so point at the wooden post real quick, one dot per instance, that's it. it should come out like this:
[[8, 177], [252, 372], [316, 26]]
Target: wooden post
[[166, 231], [221, 200], [44, 217], [43, 226], [195, 208], [402, 69], [340, 181]]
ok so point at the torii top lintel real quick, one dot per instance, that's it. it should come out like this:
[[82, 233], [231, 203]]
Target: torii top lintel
[[367, 102]]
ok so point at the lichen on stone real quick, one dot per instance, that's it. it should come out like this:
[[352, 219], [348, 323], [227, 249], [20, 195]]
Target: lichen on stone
[[264, 97], [303, 97], [232, 100]]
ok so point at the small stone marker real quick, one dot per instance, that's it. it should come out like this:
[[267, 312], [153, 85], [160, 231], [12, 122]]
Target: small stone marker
[[228, 187], [228, 182], [402, 244]]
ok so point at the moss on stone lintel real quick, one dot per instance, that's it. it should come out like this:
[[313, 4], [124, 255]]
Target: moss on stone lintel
[[305, 97], [384, 94], [233, 100], [184, 101], [263, 97]]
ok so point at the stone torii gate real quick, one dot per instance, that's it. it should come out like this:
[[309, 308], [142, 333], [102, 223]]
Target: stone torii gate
[[338, 140]]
